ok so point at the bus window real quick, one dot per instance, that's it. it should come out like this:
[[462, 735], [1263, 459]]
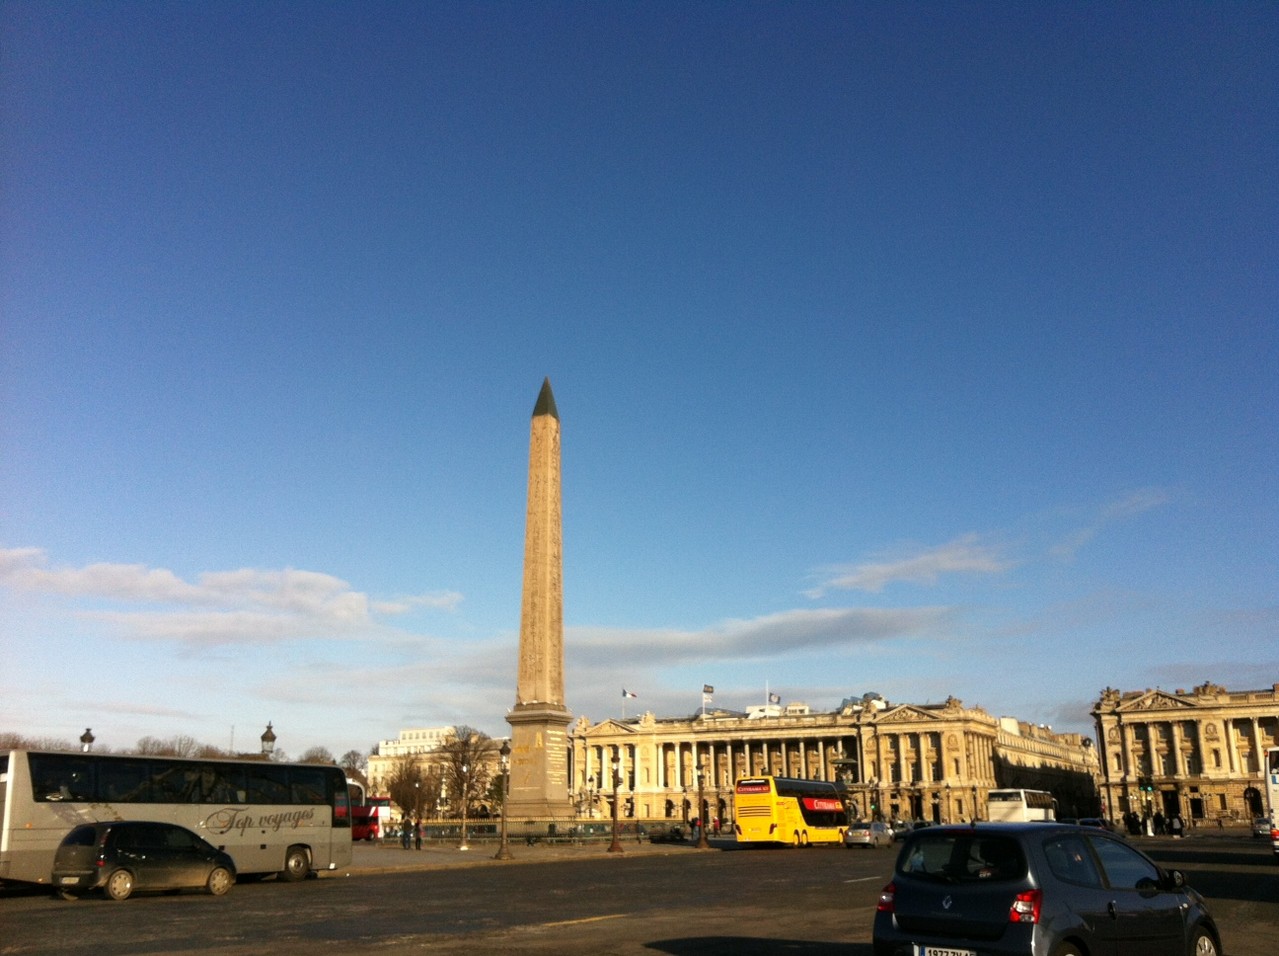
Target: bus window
[[268, 784], [306, 785], [124, 781], [57, 777]]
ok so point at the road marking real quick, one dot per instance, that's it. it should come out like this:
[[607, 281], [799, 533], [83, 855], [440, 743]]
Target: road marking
[[864, 879], [588, 919]]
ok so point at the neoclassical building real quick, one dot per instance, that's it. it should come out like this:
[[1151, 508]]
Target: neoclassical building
[[1199, 754], [412, 742], [917, 761]]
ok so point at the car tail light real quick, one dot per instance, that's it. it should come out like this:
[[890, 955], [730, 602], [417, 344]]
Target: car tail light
[[1025, 908], [887, 897]]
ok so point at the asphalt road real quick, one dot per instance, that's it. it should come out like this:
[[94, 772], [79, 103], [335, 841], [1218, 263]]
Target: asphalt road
[[577, 901]]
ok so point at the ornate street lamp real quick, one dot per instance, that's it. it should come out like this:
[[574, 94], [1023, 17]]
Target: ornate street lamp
[[268, 741], [86, 740], [504, 851], [466, 788], [616, 845], [702, 842]]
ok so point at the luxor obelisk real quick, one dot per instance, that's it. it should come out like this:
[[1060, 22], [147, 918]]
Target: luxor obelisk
[[539, 720]]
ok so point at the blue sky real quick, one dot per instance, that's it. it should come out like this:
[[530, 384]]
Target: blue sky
[[924, 349]]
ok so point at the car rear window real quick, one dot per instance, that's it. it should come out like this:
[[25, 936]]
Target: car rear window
[[962, 858], [80, 836]]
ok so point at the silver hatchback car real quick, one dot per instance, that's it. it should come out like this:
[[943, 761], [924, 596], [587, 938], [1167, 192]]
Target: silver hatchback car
[[869, 834], [1036, 889]]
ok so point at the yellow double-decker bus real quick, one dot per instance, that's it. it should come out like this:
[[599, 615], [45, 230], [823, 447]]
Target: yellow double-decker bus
[[789, 811]]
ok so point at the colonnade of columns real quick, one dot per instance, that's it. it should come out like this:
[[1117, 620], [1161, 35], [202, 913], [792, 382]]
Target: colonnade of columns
[[1197, 764], [1183, 748], [930, 771]]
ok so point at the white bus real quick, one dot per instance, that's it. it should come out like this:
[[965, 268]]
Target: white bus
[[287, 819], [1020, 805], [1272, 795]]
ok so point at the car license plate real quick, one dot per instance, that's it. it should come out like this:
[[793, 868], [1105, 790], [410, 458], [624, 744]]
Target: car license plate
[[69, 879], [942, 951]]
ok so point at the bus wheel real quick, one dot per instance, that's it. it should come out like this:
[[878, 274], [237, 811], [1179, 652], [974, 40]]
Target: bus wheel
[[297, 864], [803, 839], [119, 885]]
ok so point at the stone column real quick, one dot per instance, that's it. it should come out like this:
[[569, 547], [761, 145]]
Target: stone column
[[1259, 752]]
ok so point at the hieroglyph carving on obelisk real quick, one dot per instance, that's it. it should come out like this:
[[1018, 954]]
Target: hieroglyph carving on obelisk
[[539, 719]]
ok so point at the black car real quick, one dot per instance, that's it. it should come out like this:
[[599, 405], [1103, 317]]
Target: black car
[[122, 856], [1036, 889]]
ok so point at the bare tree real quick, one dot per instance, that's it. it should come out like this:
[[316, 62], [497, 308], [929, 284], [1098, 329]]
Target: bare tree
[[407, 784], [178, 746], [355, 764], [12, 741], [466, 759], [317, 755]]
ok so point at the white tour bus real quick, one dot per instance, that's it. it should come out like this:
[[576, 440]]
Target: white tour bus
[[1020, 806], [287, 819]]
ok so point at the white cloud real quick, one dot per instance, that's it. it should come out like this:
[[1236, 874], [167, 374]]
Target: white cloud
[[243, 606], [1121, 509], [966, 555], [773, 635]]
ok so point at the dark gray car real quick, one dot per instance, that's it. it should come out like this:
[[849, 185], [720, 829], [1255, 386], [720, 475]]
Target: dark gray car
[[1036, 889], [122, 856]]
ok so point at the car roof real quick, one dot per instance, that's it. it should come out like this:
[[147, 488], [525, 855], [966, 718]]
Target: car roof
[[1008, 828]]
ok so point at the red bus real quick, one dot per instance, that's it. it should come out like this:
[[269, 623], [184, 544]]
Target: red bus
[[368, 821]]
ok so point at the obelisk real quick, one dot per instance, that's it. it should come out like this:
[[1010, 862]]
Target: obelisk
[[539, 720]]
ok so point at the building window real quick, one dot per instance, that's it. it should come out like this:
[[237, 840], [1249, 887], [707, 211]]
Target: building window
[[1216, 762]]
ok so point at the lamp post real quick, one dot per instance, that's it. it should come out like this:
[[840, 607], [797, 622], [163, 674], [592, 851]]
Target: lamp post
[[616, 845], [946, 810], [86, 740], [504, 851], [268, 741], [466, 786], [635, 814], [702, 842]]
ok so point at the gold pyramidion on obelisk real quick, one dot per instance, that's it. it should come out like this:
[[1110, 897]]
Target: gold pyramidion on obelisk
[[539, 720]]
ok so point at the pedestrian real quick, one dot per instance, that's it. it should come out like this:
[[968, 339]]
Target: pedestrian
[[417, 832], [1176, 826], [405, 834]]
